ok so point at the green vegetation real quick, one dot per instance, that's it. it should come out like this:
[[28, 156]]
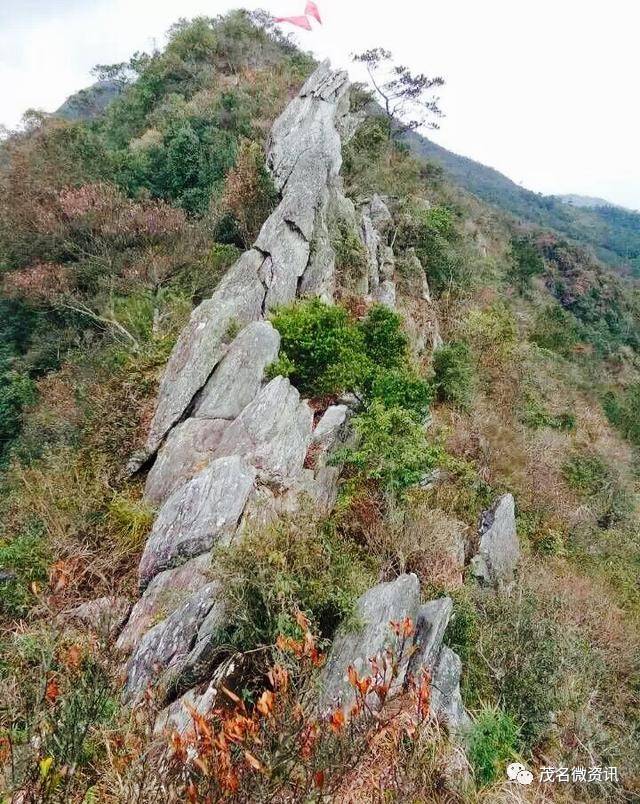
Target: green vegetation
[[527, 262], [453, 374], [295, 565], [393, 448], [492, 744], [588, 474], [623, 411], [613, 233], [433, 233]]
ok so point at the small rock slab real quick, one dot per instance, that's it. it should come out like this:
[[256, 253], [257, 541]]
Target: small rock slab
[[499, 552], [272, 433], [104, 615], [203, 343], [161, 654], [197, 515]]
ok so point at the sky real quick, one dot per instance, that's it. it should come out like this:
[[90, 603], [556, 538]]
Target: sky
[[545, 91]]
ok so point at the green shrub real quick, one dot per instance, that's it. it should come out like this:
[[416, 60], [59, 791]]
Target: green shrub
[[401, 388], [587, 474], [453, 370], [536, 416], [324, 351], [526, 261], [393, 448], [351, 256], [323, 346], [296, 564], [433, 233], [532, 658], [555, 329], [16, 391], [23, 561], [491, 744], [385, 342], [623, 411]]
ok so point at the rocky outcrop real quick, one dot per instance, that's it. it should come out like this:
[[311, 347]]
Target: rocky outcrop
[[499, 551], [376, 223], [304, 157], [232, 450], [171, 648], [377, 609]]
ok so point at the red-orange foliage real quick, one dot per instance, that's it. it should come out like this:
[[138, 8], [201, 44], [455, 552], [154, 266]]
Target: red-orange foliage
[[282, 748]]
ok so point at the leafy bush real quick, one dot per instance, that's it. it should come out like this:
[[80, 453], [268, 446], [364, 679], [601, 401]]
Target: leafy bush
[[351, 256], [16, 391], [23, 562], [536, 416], [323, 345], [526, 261], [393, 448], [386, 344], [453, 370], [295, 565], [491, 744], [325, 351], [433, 233], [623, 411], [531, 659], [401, 388]]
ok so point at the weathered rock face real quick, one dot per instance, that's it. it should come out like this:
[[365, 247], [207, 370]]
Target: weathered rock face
[[238, 300], [104, 615], [376, 610], [189, 449], [376, 222], [197, 516], [166, 592], [236, 381], [165, 652], [272, 433], [499, 552]]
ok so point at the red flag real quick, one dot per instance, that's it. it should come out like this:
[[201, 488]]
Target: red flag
[[301, 22], [313, 11]]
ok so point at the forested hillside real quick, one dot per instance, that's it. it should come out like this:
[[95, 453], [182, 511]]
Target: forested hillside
[[318, 474], [613, 233]]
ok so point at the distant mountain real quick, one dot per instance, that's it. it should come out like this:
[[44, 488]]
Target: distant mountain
[[584, 201], [90, 102], [612, 232]]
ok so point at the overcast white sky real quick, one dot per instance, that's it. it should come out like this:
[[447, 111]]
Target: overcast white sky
[[545, 91]]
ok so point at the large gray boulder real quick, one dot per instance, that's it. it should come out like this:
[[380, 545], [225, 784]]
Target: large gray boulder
[[166, 592], [423, 653], [499, 553], [376, 609], [188, 450], [237, 380], [196, 516], [272, 433]]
